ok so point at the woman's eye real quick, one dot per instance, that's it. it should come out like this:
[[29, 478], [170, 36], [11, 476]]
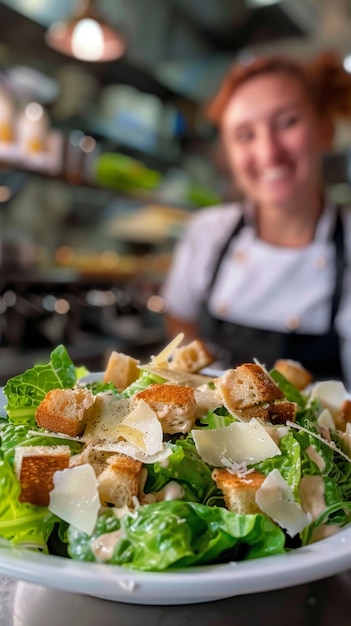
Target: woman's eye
[[243, 136], [287, 121]]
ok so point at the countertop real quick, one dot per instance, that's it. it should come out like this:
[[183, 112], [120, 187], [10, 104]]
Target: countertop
[[321, 603]]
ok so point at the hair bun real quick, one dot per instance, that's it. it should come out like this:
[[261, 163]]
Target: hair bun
[[332, 84]]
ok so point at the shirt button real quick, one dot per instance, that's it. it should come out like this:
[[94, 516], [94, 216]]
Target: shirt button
[[292, 322], [319, 262], [240, 256], [222, 309]]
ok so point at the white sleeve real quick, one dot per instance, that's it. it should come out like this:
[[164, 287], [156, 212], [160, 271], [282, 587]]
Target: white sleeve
[[345, 349], [194, 257], [182, 287]]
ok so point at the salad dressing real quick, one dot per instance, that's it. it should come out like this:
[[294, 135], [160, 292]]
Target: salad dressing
[[323, 531], [311, 491], [103, 547], [171, 491], [317, 458]]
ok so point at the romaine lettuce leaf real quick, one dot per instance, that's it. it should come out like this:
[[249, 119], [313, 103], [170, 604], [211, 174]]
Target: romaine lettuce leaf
[[181, 534], [306, 439], [145, 380], [336, 474], [186, 467], [288, 463], [25, 391], [310, 413], [80, 544], [337, 514], [216, 419], [13, 435], [289, 390]]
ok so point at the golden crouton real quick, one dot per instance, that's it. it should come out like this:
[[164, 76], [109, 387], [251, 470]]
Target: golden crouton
[[191, 358], [121, 370], [294, 372], [343, 416], [174, 405], [282, 411], [248, 391], [35, 467], [118, 483], [239, 490], [65, 411]]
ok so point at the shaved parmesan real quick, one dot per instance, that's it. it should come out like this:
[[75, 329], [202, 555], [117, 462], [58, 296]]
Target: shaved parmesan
[[331, 394], [108, 412], [164, 355], [240, 442], [275, 498], [124, 447], [142, 429], [326, 419], [179, 377], [54, 435], [75, 497]]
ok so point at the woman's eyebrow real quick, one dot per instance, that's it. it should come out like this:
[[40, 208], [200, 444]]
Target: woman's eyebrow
[[281, 110], [286, 108]]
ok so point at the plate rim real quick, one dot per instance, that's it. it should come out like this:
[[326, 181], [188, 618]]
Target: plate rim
[[321, 559]]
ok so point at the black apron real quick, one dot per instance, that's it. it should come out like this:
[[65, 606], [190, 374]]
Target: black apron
[[233, 343]]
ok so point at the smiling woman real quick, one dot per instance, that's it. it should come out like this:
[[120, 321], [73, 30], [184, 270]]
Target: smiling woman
[[269, 277]]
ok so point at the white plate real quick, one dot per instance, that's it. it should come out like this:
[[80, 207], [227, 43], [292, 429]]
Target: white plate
[[202, 584], [193, 585]]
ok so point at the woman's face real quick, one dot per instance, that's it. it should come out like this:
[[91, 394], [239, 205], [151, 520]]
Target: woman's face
[[274, 139]]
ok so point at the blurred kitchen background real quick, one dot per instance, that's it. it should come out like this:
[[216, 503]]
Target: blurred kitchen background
[[105, 153]]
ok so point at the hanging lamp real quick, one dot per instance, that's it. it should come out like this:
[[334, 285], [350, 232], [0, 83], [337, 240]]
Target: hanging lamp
[[86, 36]]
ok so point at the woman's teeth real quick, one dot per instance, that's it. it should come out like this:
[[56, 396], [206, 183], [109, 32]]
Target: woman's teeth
[[274, 173]]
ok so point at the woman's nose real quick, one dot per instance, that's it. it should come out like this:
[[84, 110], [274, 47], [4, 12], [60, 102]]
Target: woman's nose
[[268, 147]]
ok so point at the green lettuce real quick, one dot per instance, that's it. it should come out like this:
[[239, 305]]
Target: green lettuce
[[305, 409], [25, 391], [13, 435], [216, 419], [336, 474], [178, 534], [289, 390], [288, 463], [145, 380], [186, 467]]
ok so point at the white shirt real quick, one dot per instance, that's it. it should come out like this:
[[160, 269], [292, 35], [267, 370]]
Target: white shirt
[[258, 284]]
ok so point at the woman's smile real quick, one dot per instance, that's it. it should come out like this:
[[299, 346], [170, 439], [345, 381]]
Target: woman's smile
[[272, 174], [271, 134]]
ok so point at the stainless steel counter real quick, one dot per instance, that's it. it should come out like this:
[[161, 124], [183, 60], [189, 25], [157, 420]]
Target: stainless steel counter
[[321, 603]]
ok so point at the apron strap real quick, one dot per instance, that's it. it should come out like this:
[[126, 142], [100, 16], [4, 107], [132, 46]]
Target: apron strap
[[340, 262], [236, 230]]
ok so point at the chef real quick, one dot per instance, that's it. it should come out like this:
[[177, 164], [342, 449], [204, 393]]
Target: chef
[[269, 277]]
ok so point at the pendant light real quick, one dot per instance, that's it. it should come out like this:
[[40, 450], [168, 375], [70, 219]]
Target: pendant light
[[85, 36]]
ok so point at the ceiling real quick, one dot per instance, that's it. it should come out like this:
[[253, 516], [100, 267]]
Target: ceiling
[[182, 46]]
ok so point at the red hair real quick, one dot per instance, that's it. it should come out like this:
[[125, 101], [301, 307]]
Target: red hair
[[324, 79]]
